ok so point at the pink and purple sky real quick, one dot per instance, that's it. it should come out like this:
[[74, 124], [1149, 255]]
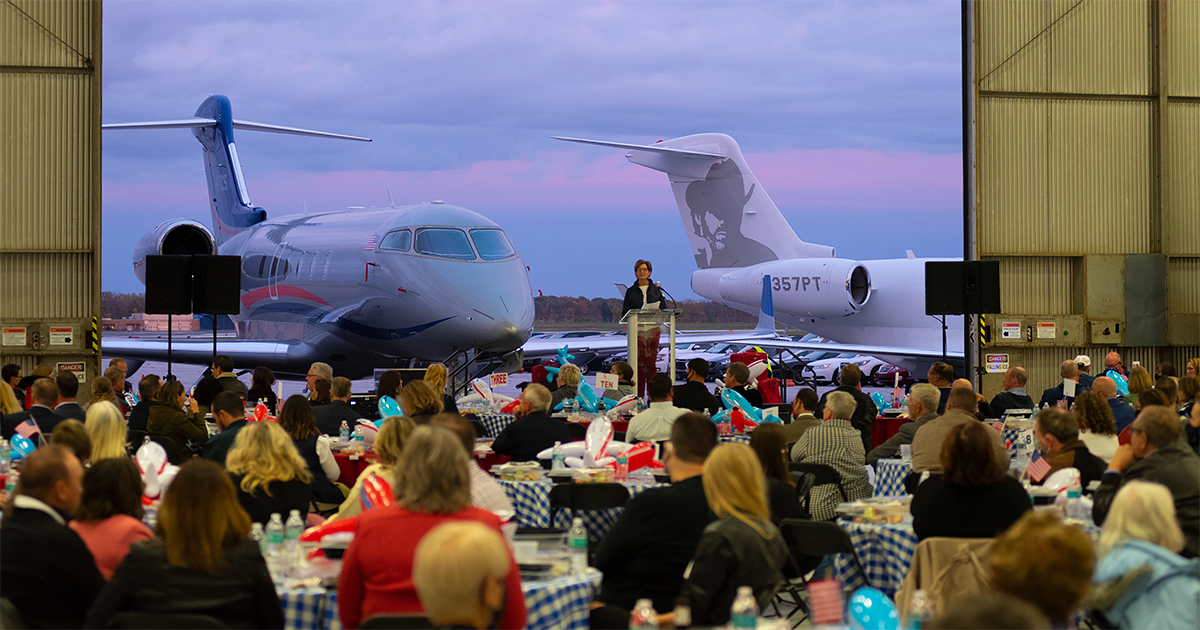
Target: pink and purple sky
[[848, 112]]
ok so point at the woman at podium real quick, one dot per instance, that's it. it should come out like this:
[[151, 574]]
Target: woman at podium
[[644, 294]]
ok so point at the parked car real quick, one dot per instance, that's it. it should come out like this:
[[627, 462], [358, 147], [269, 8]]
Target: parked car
[[885, 376]]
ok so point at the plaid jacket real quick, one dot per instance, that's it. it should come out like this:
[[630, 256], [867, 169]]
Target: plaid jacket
[[838, 444]]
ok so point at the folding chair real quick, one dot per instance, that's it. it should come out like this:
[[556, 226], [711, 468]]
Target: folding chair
[[576, 430], [804, 484], [824, 474], [818, 538], [396, 622], [146, 621], [587, 496], [480, 429]]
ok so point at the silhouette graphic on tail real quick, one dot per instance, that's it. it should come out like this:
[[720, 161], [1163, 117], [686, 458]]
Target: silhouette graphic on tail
[[716, 203]]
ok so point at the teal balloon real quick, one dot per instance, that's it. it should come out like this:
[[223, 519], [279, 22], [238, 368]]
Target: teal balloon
[[879, 401], [870, 609], [21, 446], [388, 407]]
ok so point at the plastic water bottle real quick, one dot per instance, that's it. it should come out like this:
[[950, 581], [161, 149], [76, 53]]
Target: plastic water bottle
[[577, 541], [557, 459], [11, 482], [920, 611], [150, 517], [344, 432], [5, 456], [359, 436], [643, 615], [622, 465], [293, 529], [259, 536], [683, 613], [744, 611], [274, 533], [707, 414]]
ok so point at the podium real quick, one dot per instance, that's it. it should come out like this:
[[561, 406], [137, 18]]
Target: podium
[[644, 319]]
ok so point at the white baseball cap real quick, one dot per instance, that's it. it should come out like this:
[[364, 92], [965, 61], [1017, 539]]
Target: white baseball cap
[[1084, 359]]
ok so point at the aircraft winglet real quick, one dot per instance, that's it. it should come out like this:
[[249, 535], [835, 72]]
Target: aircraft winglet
[[643, 147], [766, 310]]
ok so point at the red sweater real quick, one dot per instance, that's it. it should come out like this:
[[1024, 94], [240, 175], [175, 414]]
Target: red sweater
[[109, 539], [377, 568]]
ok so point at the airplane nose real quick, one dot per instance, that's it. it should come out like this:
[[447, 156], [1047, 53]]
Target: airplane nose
[[506, 337], [502, 305]]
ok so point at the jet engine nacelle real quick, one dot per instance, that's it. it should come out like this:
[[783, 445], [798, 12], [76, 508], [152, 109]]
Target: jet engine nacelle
[[176, 237], [818, 288]]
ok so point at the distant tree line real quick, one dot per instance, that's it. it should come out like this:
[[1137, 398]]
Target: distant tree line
[[121, 305], [554, 308]]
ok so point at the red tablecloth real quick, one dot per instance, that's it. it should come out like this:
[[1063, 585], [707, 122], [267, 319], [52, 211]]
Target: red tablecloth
[[489, 459], [885, 428], [351, 467], [617, 425]]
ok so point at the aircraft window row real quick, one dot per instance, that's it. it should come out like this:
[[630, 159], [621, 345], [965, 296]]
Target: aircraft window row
[[265, 266], [453, 243]]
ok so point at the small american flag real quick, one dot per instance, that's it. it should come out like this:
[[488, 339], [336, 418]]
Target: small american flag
[[370, 246], [27, 429], [999, 427], [825, 598], [1038, 468], [1062, 403]]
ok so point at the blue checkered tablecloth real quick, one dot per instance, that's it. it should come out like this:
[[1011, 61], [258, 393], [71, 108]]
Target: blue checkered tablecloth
[[889, 477], [886, 551], [739, 439], [550, 604], [532, 502], [1012, 436], [494, 422]]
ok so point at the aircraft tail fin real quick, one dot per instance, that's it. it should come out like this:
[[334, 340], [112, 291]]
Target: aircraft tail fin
[[213, 126], [729, 218], [621, 289], [766, 310]]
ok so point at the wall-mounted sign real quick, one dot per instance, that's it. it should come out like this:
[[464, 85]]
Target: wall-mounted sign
[[1046, 330], [14, 336]]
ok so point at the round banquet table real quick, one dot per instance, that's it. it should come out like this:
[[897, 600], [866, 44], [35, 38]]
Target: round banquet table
[[551, 604], [531, 499], [889, 477], [493, 422], [351, 466]]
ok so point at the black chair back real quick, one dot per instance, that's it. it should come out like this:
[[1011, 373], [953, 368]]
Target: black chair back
[[816, 539], [824, 473], [134, 438], [619, 436], [480, 429], [576, 430], [587, 496], [398, 622], [171, 621], [169, 446], [804, 484]]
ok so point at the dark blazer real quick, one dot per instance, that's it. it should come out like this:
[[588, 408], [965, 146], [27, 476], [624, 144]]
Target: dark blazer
[[217, 447], [263, 394], [329, 417], [46, 570], [232, 384], [1123, 412], [752, 396], [695, 396], [448, 404], [945, 509], [864, 413], [1054, 394], [139, 416], [45, 418], [633, 298], [285, 496], [1007, 400], [242, 597], [526, 437], [650, 545], [71, 409], [1075, 454], [942, 401]]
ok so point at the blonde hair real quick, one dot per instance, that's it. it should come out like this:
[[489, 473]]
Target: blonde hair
[[392, 437], [451, 564], [1145, 511], [1044, 562], [263, 452], [419, 399], [106, 426], [435, 377], [1139, 380], [8, 400], [569, 375], [433, 476], [735, 485], [102, 389]]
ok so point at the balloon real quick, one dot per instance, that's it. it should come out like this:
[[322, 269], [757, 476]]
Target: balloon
[[260, 412], [880, 403], [1122, 383], [734, 399], [21, 446], [388, 407], [740, 421], [563, 359], [599, 434], [157, 473], [641, 455], [370, 430], [870, 609], [510, 407], [376, 492], [756, 369], [576, 449], [314, 534]]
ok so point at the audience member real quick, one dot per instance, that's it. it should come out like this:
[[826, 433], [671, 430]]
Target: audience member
[[168, 421], [435, 377], [1057, 433], [203, 561], [989, 611], [44, 393], [803, 418], [624, 373], [139, 416], [229, 414], [1053, 395], [941, 375], [534, 430], [432, 487], [737, 377], [40, 371], [1156, 453], [68, 389], [109, 518], [1014, 395], [261, 380], [1045, 562], [486, 494], [743, 547], [106, 428], [1167, 386], [693, 394], [654, 423], [120, 364], [1083, 364], [568, 384], [71, 434], [769, 443], [1150, 398], [322, 393], [1193, 367], [928, 439], [1165, 368], [1122, 412], [8, 400], [1139, 381], [1112, 363], [102, 390], [116, 376], [973, 498], [1141, 535], [270, 475], [922, 405], [982, 411], [1191, 428], [297, 419], [1097, 429], [46, 571], [11, 374], [419, 402], [330, 417], [322, 371], [389, 385], [1189, 394], [649, 547], [459, 571], [387, 447], [835, 443], [865, 410], [222, 368]]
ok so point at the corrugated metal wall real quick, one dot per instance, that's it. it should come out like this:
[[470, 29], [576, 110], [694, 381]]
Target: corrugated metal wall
[[50, 107]]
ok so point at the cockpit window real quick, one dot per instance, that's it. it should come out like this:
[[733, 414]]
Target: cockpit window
[[444, 242], [400, 240], [492, 244]]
